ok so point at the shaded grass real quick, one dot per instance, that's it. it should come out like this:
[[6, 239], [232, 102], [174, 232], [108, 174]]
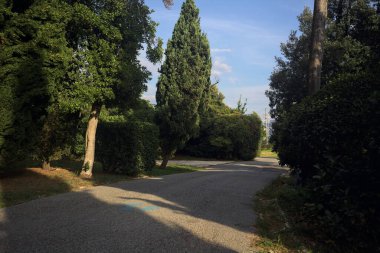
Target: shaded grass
[[172, 169], [268, 153], [279, 219], [25, 183], [196, 158]]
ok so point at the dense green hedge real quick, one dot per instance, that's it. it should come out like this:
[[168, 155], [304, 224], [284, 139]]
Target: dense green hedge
[[229, 136], [331, 142], [127, 147]]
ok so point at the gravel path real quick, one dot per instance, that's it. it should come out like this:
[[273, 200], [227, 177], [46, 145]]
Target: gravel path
[[206, 211]]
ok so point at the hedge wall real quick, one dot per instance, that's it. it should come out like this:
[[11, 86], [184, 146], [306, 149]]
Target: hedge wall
[[228, 136], [127, 147], [331, 141]]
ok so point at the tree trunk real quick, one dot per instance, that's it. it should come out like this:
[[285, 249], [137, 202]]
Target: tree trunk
[[316, 52], [89, 157], [46, 164], [165, 161]]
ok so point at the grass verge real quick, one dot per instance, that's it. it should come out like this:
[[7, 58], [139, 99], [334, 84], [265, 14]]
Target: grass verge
[[196, 158], [268, 153], [172, 169], [279, 219], [28, 183]]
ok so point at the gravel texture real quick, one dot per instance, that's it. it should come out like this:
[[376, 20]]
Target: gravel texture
[[205, 211]]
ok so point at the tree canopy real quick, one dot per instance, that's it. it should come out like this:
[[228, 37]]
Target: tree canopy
[[349, 47], [60, 58]]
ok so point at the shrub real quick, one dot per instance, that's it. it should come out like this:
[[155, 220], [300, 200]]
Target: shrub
[[127, 147], [331, 142], [228, 136]]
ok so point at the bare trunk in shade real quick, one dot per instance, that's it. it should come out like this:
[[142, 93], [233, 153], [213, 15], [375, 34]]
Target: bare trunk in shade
[[89, 157], [316, 47]]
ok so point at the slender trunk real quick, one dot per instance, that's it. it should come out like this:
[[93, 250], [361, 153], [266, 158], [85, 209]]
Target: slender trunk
[[165, 161], [89, 157], [46, 164], [316, 52]]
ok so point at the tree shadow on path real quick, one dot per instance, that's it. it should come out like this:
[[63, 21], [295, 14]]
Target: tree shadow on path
[[207, 211]]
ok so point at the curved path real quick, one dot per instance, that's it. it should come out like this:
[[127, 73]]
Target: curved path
[[206, 211]]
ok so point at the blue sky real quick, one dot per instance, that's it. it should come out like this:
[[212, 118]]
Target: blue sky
[[244, 37]]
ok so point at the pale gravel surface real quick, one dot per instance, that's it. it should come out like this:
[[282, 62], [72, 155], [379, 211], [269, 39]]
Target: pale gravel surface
[[206, 211]]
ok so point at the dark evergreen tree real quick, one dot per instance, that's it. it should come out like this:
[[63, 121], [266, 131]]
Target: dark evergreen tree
[[350, 46], [60, 58], [6, 91], [34, 58], [330, 140], [184, 83], [288, 82]]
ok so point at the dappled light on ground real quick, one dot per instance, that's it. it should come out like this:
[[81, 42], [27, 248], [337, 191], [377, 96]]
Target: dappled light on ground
[[207, 211]]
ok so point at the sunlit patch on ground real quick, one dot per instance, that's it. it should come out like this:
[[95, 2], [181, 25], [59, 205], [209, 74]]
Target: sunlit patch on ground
[[139, 206]]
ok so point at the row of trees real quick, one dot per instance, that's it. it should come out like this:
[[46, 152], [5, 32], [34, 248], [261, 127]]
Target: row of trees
[[330, 139], [64, 62]]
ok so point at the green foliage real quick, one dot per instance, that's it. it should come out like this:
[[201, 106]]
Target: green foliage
[[57, 59], [216, 103], [128, 139], [229, 136], [172, 169], [127, 147], [279, 208], [34, 58], [350, 44], [331, 142], [242, 106], [288, 81], [106, 39], [57, 136], [225, 133], [143, 110], [182, 89]]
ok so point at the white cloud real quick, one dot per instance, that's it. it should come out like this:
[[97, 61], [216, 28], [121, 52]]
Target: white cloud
[[150, 94], [221, 50], [150, 98], [219, 67], [153, 68], [242, 30]]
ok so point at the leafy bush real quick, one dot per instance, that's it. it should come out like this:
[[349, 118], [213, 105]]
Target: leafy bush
[[127, 147], [228, 136], [331, 142]]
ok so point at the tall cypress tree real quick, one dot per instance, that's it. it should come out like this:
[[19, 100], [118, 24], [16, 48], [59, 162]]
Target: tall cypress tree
[[183, 86]]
